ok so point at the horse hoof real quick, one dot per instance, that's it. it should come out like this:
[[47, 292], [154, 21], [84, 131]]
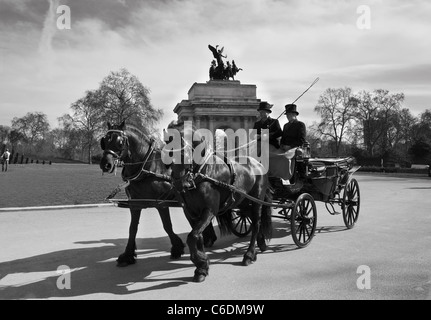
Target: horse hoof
[[124, 261], [199, 278], [122, 264], [263, 247], [176, 253], [248, 261]]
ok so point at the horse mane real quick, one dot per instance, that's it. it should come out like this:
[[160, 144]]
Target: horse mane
[[137, 135], [180, 126], [197, 138]]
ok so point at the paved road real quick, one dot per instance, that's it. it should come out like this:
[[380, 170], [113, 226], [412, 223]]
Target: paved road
[[391, 243]]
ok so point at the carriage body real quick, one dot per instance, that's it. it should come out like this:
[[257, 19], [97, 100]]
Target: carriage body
[[322, 178], [326, 178]]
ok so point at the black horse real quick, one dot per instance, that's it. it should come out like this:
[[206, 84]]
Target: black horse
[[148, 178], [205, 183]]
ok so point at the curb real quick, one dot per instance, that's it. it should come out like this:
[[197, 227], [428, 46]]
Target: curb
[[77, 206]]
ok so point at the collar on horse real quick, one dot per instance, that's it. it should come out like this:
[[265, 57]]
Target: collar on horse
[[143, 171], [125, 152], [195, 176]]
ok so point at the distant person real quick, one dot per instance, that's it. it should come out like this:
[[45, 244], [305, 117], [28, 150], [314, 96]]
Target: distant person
[[5, 160], [294, 131]]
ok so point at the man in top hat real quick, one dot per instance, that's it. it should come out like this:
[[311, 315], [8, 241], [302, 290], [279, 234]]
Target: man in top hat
[[294, 131], [266, 122]]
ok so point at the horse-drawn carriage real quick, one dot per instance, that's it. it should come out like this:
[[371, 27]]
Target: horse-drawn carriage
[[328, 180], [242, 205]]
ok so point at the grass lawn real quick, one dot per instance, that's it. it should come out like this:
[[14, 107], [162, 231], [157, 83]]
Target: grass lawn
[[57, 184]]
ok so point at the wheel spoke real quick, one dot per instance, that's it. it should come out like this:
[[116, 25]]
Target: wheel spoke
[[243, 225], [240, 224], [239, 221], [306, 230], [351, 215]]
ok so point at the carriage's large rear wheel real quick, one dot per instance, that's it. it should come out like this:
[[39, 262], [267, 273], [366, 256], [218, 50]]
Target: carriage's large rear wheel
[[303, 220], [351, 202], [241, 223]]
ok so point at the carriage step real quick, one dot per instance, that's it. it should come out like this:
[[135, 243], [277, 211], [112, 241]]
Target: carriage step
[[334, 213]]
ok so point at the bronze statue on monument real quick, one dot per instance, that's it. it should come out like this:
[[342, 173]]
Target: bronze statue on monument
[[220, 71]]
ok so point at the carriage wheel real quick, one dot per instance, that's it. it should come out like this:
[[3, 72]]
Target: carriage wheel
[[241, 223], [303, 220], [351, 202]]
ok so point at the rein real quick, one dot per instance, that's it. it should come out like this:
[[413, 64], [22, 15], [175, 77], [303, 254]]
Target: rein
[[190, 172], [142, 172], [146, 157]]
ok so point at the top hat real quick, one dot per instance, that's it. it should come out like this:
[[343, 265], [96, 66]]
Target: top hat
[[265, 106], [291, 108]]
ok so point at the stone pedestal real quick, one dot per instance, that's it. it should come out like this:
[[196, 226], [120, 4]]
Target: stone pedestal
[[220, 104]]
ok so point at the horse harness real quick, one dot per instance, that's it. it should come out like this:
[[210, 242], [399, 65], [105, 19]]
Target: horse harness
[[125, 152], [196, 177]]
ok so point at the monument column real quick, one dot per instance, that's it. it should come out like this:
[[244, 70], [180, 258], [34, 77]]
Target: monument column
[[211, 124], [218, 104]]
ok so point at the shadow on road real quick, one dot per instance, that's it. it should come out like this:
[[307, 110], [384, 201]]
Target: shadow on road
[[331, 229], [94, 268]]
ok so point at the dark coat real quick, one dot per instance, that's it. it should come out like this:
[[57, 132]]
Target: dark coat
[[274, 130], [293, 134]]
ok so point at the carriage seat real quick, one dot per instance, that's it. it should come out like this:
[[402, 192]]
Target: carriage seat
[[332, 161], [319, 166]]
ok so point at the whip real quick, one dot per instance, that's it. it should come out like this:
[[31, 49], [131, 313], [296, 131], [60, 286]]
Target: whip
[[314, 82]]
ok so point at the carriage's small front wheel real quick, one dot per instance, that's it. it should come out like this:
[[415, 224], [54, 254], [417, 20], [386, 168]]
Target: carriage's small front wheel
[[241, 223], [303, 220], [351, 202]]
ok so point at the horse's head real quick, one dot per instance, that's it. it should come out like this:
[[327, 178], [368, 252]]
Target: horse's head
[[114, 145], [187, 149]]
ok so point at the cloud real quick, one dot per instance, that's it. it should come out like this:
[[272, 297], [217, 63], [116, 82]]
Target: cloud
[[281, 45], [49, 28]]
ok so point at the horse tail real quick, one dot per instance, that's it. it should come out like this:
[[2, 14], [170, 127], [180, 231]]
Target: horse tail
[[225, 222], [266, 216]]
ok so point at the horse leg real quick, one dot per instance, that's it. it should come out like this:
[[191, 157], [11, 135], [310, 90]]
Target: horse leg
[[177, 249], [128, 257], [265, 228], [196, 246], [251, 256], [261, 243], [209, 236]]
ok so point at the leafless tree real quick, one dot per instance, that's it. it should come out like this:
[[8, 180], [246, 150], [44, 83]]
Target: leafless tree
[[337, 115], [33, 128], [125, 98]]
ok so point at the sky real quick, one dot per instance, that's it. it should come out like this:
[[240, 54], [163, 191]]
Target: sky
[[282, 47]]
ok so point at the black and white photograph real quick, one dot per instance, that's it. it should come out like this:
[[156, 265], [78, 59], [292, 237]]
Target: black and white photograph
[[215, 158]]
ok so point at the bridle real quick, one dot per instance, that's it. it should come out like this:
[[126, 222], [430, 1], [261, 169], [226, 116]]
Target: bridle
[[122, 140], [124, 153]]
